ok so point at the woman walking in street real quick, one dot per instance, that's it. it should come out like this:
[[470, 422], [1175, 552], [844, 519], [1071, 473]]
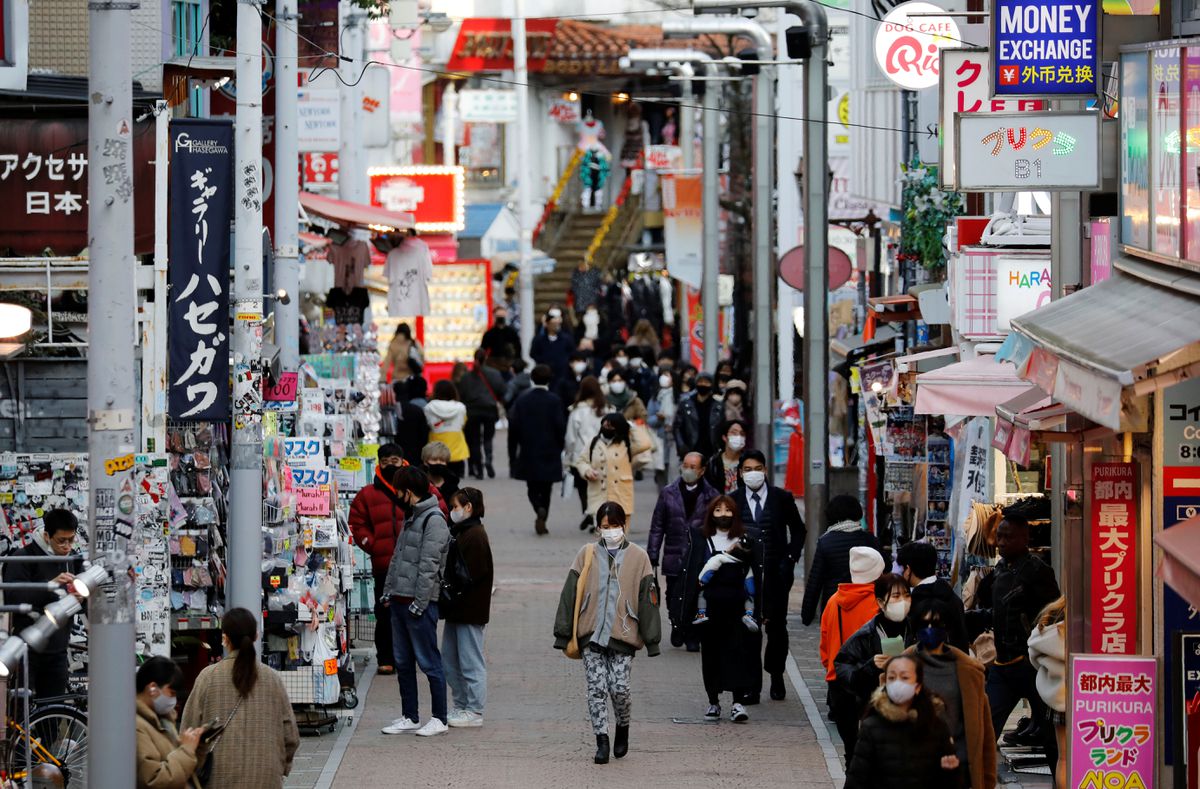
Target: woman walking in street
[[166, 757], [722, 471], [248, 699], [729, 648], [583, 425], [481, 388], [466, 608], [662, 420], [607, 464], [447, 419], [608, 610], [903, 743]]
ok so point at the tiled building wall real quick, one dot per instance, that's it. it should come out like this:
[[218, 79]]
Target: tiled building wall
[[58, 39]]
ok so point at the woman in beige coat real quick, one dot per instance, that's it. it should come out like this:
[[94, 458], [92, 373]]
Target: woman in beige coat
[[166, 759], [260, 738], [607, 464]]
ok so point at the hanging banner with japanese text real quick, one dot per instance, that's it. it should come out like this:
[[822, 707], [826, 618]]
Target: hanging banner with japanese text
[[1111, 722], [1047, 48], [201, 190], [682, 229], [1114, 558]]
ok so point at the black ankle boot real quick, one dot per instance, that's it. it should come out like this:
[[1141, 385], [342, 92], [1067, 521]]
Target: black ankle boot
[[601, 749], [621, 742]]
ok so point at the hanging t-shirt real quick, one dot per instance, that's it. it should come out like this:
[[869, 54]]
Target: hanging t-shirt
[[348, 308], [408, 270], [350, 261]]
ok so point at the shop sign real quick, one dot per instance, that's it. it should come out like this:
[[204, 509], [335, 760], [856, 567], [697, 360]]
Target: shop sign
[[44, 185], [908, 40], [432, 194], [487, 106], [201, 189], [485, 44], [312, 500], [1111, 721], [319, 114], [1186, 682], [664, 157], [1101, 257], [1046, 48], [564, 111], [1028, 151], [1022, 285], [967, 87], [682, 226], [320, 169], [1114, 588]]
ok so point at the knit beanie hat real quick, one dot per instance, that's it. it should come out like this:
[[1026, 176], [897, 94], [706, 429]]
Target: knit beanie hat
[[866, 565]]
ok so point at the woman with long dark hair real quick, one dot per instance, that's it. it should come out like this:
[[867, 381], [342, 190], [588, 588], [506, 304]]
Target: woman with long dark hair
[[248, 699], [727, 631], [607, 464]]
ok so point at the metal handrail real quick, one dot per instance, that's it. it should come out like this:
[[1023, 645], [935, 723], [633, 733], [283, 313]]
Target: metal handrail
[[609, 218], [556, 195]]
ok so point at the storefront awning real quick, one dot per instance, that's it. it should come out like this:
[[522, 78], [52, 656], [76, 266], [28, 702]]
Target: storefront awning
[[1180, 569], [355, 214], [969, 388]]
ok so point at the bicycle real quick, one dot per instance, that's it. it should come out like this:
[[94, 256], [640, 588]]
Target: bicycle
[[57, 736]]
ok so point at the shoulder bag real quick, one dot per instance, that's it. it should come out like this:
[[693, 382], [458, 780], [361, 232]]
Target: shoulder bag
[[456, 580], [572, 649], [204, 771]]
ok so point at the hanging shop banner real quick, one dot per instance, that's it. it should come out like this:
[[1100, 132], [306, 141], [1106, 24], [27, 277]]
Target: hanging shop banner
[[1186, 698], [1046, 48], [201, 190], [1114, 590], [683, 229], [1102, 250], [967, 87], [487, 106], [1111, 724], [1028, 151], [908, 40], [432, 194]]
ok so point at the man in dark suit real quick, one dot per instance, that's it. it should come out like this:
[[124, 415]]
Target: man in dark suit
[[772, 511], [537, 427]]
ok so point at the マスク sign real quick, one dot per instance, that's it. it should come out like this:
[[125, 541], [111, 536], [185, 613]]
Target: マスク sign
[[1046, 47], [908, 42], [1028, 151]]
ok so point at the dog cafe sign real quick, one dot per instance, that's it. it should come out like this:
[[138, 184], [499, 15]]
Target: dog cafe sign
[[909, 41]]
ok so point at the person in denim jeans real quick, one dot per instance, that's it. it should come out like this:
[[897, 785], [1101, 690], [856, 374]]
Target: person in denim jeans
[[466, 611], [413, 584]]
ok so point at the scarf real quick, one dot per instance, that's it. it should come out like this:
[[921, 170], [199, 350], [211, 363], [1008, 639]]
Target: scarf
[[847, 526], [620, 401]]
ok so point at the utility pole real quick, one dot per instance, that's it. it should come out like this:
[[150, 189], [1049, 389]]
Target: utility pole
[[449, 111], [112, 304], [245, 484], [287, 187], [524, 177], [352, 173]]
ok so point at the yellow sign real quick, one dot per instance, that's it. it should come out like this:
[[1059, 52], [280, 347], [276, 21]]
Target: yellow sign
[[350, 464]]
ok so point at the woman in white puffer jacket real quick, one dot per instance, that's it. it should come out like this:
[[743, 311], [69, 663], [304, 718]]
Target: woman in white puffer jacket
[[1048, 654]]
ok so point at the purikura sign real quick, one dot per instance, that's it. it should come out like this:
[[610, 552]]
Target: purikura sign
[[909, 41]]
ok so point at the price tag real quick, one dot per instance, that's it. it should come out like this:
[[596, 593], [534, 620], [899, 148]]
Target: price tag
[[350, 464], [331, 667], [313, 500]]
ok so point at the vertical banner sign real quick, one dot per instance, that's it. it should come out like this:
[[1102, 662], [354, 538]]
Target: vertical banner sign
[[682, 227], [1114, 558], [201, 192], [1181, 501], [1047, 48], [1187, 695], [1110, 729]]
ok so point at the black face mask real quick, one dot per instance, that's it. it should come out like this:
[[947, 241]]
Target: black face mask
[[723, 521], [436, 469], [704, 391], [500, 323], [609, 434], [932, 636]]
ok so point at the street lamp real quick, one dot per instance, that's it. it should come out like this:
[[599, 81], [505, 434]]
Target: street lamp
[[62, 610], [12, 652], [90, 580], [15, 320]]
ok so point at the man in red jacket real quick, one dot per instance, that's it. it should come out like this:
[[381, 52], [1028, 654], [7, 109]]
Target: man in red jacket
[[376, 519]]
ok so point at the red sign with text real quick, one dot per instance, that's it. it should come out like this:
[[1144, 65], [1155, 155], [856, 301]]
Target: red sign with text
[[433, 195], [1114, 586], [486, 44]]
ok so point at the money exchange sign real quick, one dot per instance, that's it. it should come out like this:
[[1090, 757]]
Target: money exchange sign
[[1046, 47]]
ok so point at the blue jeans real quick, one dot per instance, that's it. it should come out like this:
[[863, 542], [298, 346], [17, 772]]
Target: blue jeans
[[466, 672], [414, 643]]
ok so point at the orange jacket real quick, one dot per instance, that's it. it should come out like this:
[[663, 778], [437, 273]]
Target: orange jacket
[[851, 607]]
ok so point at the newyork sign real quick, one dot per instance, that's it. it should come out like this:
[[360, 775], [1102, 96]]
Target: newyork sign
[[1046, 47], [1028, 151]]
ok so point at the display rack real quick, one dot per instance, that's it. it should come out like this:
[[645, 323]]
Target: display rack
[[939, 476]]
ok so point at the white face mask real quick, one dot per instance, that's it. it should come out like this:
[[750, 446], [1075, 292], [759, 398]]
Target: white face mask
[[897, 610], [754, 479], [635, 363], [578, 367], [736, 443], [690, 475], [901, 692], [617, 387], [458, 515], [613, 537], [664, 381], [620, 361], [164, 705], [591, 318]]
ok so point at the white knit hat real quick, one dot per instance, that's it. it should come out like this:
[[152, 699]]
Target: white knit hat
[[866, 565]]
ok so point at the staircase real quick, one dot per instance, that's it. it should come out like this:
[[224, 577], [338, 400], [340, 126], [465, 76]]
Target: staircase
[[573, 243]]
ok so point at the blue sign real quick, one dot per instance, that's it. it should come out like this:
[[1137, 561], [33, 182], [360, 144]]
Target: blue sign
[[1046, 47]]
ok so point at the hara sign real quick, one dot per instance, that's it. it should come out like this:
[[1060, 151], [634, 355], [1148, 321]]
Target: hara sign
[[908, 43]]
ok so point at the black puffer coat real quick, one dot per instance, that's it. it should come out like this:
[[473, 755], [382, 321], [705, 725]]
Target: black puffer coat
[[830, 567], [857, 674], [896, 751]]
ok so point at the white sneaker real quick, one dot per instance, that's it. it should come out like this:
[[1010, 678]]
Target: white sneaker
[[401, 726], [433, 727], [738, 714], [465, 719]]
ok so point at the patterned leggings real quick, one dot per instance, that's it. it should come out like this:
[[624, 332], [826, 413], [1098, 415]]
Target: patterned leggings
[[607, 675]]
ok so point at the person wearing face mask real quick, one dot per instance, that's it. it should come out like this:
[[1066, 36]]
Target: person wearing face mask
[[583, 424], [537, 427], [852, 607], [568, 387], [681, 507], [466, 611], [166, 757], [859, 664], [918, 560], [903, 742], [607, 464], [640, 433], [958, 679], [501, 341], [723, 467], [729, 649], [553, 347], [687, 379], [643, 378], [618, 617], [435, 461], [734, 400], [831, 559], [662, 421], [698, 413], [620, 394], [771, 515]]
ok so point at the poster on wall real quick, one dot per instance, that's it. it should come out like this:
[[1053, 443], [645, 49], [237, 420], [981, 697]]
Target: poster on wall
[[1114, 541], [1111, 721]]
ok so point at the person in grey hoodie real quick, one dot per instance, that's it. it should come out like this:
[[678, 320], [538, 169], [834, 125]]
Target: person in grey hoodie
[[414, 582]]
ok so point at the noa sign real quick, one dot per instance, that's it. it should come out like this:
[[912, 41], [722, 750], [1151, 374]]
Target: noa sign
[[909, 41]]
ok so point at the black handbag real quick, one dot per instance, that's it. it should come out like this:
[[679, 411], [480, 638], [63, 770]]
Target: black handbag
[[456, 579], [205, 770]]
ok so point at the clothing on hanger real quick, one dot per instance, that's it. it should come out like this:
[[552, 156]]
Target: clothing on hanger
[[408, 270], [349, 307], [350, 261]]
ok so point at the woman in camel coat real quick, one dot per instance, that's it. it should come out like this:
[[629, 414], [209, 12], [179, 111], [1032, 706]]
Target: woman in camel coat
[[607, 464]]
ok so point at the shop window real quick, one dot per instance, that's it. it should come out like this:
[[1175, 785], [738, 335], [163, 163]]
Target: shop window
[[482, 154], [187, 26], [1186, 17]]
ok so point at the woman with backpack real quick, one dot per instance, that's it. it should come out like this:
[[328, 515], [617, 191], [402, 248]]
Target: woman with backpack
[[466, 603], [607, 464], [480, 387]]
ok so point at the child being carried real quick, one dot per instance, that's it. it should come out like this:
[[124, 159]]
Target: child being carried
[[738, 553]]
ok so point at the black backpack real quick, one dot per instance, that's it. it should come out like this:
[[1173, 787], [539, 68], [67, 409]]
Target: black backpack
[[456, 579]]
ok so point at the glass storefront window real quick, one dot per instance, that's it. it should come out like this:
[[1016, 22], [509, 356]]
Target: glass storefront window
[[1135, 149], [1165, 81]]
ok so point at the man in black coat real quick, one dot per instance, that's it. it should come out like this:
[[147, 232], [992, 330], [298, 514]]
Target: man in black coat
[[537, 427], [773, 512], [919, 563], [501, 342], [831, 560], [48, 670], [698, 413], [553, 347]]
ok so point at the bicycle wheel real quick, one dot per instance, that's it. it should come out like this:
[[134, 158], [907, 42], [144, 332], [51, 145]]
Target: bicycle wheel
[[58, 735]]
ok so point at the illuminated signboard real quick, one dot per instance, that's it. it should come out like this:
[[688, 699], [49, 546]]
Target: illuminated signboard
[[432, 194], [1028, 151], [1046, 47], [485, 44]]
